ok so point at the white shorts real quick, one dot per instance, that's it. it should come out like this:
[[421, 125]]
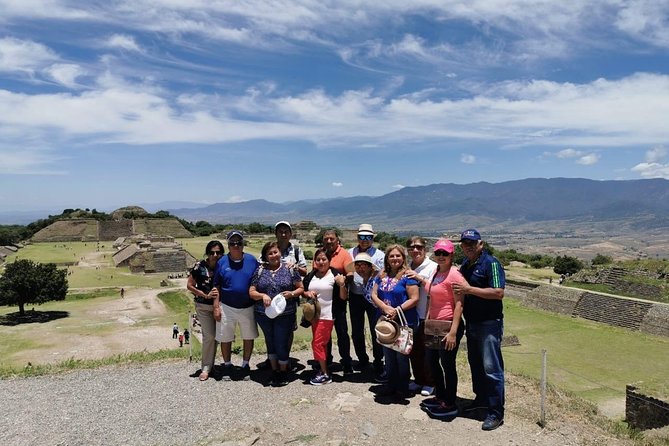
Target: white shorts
[[230, 318]]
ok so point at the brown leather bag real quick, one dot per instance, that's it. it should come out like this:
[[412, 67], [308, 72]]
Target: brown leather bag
[[435, 330]]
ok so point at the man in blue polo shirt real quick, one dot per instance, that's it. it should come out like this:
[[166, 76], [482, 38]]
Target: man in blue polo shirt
[[234, 307], [483, 314]]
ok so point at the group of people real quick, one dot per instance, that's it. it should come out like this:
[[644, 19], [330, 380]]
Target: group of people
[[238, 291]]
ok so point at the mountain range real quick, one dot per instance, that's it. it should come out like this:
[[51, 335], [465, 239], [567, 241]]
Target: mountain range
[[550, 205]]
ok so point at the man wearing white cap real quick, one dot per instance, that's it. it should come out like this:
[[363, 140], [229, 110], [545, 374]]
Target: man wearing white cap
[[361, 306], [291, 255]]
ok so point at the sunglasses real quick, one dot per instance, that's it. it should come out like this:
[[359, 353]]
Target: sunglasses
[[418, 247], [235, 243], [365, 237], [215, 253], [442, 253]]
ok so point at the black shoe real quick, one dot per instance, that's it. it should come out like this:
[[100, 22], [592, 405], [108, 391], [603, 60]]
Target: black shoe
[[362, 366], [382, 378], [265, 365], [475, 404], [492, 422], [279, 379], [274, 380], [348, 370]]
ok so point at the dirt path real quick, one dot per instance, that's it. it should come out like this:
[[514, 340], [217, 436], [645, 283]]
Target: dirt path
[[112, 327]]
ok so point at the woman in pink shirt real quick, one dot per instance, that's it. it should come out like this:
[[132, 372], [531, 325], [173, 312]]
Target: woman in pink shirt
[[444, 304]]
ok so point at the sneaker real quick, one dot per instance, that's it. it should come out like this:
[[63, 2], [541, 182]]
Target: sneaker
[[279, 379], [475, 404], [382, 378], [245, 372], [348, 370], [431, 402], [415, 388], [443, 411], [320, 379], [492, 422], [427, 390], [227, 372]]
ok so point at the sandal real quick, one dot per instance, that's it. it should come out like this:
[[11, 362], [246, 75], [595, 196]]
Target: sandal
[[204, 376]]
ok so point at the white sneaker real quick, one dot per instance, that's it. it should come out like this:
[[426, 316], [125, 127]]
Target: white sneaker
[[427, 391]]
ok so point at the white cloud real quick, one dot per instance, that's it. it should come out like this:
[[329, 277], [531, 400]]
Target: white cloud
[[645, 20], [123, 42], [568, 153], [235, 199], [24, 55], [337, 184], [588, 160], [21, 160], [65, 74], [653, 166], [652, 170], [398, 186], [467, 159], [656, 154]]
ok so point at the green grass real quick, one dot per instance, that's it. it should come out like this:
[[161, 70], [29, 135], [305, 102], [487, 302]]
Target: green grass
[[593, 360], [60, 252], [111, 277], [105, 292], [71, 364]]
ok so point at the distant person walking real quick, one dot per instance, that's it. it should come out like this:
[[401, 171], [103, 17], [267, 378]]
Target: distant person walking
[[201, 284], [122, 293], [187, 336], [175, 331], [181, 339], [483, 311]]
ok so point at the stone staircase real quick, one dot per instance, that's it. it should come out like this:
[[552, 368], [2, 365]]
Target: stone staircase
[[612, 310]]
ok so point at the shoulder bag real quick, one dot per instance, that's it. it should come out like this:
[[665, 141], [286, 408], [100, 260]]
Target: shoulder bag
[[435, 329], [404, 342]]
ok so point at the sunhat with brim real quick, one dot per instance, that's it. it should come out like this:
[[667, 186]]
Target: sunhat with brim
[[360, 257], [311, 309], [365, 229], [386, 330], [277, 306]]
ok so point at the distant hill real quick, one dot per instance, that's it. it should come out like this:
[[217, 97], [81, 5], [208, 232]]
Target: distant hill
[[562, 203]]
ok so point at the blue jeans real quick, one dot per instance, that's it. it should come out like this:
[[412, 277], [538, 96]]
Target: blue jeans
[[277, 333], [484, 351], [397, 367]]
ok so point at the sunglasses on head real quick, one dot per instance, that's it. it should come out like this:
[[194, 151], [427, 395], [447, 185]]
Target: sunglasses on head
[[442, 253], [236, 243], [215, 253], [365, 237], [418, 247]]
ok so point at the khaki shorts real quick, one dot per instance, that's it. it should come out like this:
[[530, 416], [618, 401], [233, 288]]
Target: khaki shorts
[[230, 318]]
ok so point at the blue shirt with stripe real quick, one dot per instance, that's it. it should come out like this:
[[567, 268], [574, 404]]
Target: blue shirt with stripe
[[486, 272]]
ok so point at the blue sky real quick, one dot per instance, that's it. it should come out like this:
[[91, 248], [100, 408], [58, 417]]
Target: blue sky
[[104, 104]]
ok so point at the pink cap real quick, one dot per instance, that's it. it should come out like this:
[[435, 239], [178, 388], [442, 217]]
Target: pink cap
[[444, 245]]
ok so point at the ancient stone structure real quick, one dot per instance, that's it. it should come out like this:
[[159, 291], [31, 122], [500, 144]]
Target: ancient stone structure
[[149, 254], [634, 314], [87, 229], [643, 411]]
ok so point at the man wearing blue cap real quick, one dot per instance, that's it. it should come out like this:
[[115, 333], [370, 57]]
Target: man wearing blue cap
[[484, 320], [235, 308]]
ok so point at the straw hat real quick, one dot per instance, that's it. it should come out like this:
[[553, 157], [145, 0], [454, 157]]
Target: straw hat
[[311, 309], [387, 330], [360, 257], [277, 307]]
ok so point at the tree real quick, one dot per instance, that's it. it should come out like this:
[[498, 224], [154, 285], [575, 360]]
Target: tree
[[601, 259], [27, 282], [567, 265]]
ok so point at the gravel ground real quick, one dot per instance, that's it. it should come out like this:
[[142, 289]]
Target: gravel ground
[[162, 404]]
